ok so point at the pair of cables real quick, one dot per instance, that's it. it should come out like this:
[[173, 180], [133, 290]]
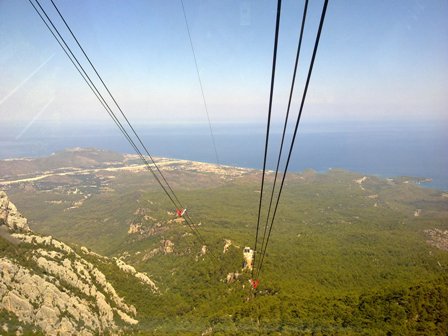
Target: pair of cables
[[124, 124], [256, 271]]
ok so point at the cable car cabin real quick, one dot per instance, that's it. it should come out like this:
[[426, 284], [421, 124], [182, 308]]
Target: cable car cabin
[[248, 255], [180, 212]]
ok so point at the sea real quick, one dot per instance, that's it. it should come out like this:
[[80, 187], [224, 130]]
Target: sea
[[385, 149]]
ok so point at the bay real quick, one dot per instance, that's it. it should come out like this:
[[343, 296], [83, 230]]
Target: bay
[[417, 149]]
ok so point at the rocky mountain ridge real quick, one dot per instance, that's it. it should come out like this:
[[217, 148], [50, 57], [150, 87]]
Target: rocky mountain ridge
[[53, 288], [9, 215]]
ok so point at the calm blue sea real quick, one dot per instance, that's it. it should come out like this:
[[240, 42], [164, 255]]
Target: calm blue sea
[[388, 150]]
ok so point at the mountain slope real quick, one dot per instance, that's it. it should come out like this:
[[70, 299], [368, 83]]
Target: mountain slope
[[349, 254], [46, 286]]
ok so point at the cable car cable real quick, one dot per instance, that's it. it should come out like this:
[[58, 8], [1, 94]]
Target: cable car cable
[[286, 119], [316, 45], [92, 86], [116, 104], [179, 205], [274, 61], [103, 102], [200, 83]]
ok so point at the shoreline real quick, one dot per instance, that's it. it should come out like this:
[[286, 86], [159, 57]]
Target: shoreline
[[425, 182]]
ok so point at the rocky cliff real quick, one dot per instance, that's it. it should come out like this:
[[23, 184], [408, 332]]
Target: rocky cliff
[[49, 287], [9, 215]]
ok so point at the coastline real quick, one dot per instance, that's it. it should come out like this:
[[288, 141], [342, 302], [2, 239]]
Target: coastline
[[168, 162]]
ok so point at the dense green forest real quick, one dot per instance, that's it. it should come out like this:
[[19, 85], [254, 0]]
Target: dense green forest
[[347, 256]]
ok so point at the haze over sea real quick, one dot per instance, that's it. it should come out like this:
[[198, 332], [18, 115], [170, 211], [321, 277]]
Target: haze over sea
[[394, 149]]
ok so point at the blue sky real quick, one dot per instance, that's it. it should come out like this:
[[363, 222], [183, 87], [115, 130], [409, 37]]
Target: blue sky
[[378, 60]]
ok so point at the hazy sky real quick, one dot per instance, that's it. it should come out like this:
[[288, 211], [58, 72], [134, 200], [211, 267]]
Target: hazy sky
[[380, 60]]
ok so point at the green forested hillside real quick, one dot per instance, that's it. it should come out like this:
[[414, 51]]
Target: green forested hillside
[[347, 256]]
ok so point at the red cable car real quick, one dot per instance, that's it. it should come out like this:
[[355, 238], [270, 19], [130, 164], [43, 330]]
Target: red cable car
[[180, 212]]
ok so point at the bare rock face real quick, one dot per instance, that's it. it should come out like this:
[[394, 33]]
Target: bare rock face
[[4, 204], [227, 244], [55, 289], [142, 277], [203, 250], [232, 277], [168, 246], [35, 300], [135, 228], [9, 215], [438, 238], [71, 297]]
